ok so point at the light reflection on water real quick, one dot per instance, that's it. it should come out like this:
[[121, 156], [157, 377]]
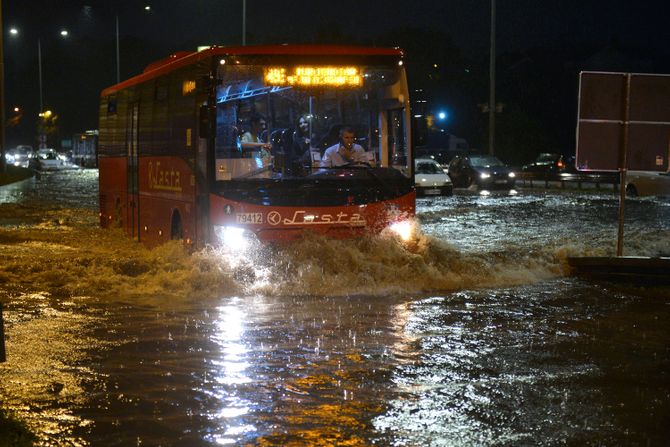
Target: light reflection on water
[[537, 370], [231, 370], [472, 335]]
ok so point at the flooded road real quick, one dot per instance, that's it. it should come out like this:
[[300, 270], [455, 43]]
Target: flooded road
[[470, 334]]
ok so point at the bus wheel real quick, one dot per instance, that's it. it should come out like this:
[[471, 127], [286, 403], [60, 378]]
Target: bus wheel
[[177, 231]]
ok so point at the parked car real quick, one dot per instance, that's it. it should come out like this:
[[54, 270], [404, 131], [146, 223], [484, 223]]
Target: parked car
[[442, 156], [484, 171], [647, 183], [430, 178], [550, 163]]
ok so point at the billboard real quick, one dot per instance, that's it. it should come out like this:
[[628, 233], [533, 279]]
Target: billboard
[[623, 121]]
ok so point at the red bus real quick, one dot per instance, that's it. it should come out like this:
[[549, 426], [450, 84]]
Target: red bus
[[173, 163]]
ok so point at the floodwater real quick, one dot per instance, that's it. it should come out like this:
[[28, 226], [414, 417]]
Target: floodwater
[[470, 334]]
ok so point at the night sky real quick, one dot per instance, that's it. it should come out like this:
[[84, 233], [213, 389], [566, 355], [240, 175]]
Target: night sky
[[545, 39]]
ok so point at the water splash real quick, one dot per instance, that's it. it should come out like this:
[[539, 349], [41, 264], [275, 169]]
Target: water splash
[[67, 254]]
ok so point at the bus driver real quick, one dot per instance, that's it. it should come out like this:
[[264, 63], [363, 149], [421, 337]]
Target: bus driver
[[344, 152]]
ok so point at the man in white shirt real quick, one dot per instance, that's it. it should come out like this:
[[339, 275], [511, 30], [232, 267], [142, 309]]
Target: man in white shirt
[[345, 152]]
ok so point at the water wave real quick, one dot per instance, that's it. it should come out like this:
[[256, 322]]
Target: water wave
[[65, 253], [69, 255]]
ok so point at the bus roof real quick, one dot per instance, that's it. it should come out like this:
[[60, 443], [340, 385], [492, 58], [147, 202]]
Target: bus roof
[[184, 58]]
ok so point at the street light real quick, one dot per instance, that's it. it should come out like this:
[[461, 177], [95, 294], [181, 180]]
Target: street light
[[118, 52], [14, 32], [39, 69], [244, 22], [2, 122], [492, 81]]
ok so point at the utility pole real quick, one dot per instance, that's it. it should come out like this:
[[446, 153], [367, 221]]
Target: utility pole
[[244, 23], [492, 82], [118, 53], [39, 70], [3, 164]]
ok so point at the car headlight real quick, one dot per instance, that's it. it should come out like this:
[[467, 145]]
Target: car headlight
[[484, 175], [511, 175]]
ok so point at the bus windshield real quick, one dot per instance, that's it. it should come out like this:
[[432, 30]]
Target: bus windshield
[[267, 129]]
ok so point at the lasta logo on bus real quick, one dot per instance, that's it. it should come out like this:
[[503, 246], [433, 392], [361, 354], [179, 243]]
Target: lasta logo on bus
[[301, 217], [314, 76], [164, 179]]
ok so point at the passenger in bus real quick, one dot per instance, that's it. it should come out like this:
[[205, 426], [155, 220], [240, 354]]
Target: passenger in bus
[[302, 145], [251, 140], [301, 137], [345, 152]]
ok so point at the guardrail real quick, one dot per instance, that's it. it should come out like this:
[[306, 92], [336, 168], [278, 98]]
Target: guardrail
[[569, 179]]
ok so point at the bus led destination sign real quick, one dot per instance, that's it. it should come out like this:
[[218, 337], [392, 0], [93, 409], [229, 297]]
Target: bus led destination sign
[[306, 76]]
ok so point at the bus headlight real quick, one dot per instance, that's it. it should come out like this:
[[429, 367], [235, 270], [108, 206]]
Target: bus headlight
[[235, 239], [403, 229], [484, 175], [511, 175]]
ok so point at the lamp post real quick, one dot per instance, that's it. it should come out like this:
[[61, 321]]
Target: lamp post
[[148, 10], [41, 115], [492, 81], [244, 22], [3, 166], [39, 69], [118, 52]]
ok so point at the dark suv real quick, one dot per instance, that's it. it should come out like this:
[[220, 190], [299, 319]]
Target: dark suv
[[484, 171], [550, 163]]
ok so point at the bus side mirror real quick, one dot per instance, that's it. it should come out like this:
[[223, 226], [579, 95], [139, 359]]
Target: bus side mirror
[[205, 122]]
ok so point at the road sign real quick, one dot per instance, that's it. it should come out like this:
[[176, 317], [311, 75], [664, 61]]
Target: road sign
[[623, 121]]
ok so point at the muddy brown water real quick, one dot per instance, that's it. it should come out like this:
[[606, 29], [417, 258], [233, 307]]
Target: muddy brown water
[[470, 334]]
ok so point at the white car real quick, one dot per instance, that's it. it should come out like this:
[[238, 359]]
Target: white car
[[48, 159], [647, 183], [430, 178]]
